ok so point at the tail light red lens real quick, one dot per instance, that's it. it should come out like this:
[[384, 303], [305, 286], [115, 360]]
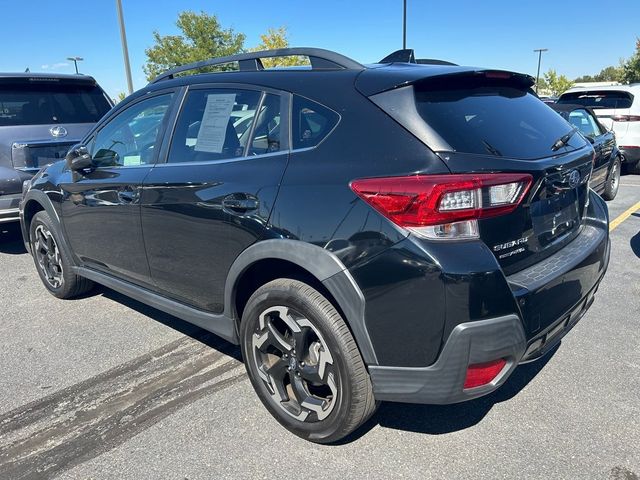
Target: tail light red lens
[[483, 373], [427, 200]]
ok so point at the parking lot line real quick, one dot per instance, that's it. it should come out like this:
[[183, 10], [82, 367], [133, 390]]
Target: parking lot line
[[623, 216]]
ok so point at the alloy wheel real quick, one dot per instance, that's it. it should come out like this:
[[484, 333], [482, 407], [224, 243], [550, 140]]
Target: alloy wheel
[[295, 364], [615, 177], [48, 256]]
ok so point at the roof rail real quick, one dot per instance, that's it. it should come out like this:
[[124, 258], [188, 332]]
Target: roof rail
[[407, 56], [320, 59]]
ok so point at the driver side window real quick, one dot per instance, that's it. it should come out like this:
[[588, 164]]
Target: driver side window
[[129, 138]]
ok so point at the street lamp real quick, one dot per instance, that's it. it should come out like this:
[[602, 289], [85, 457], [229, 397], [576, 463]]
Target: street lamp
[[404, 25], [125, 50], [539, 50], [75, 61]]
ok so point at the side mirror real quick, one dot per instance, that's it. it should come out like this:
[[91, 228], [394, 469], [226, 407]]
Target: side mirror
[[591, 139], [78, 158]]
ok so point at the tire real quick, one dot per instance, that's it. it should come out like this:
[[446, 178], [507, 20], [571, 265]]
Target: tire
[[613, 181], [52, 263], [288, 326]]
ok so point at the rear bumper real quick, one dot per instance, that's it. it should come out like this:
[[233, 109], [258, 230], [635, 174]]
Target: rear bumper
[[9, 208], [442, 382], [551, 296]]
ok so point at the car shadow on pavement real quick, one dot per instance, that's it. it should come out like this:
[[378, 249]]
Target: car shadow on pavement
[[635, 244], [440, 419], [427, 419], [11, 239], [170, 321]]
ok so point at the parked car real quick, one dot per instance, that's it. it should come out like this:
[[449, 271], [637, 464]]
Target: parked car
[[618, 109], [605, 178], [41, 116], [400, 232]]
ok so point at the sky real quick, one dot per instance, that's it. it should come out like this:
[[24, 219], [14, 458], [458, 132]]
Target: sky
[[582, 37]]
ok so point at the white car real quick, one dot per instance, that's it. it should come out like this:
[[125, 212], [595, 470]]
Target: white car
[[618, 109]]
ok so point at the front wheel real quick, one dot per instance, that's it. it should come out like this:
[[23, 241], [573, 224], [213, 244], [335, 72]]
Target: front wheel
[[52, 263], [613, 181], [304, 363]]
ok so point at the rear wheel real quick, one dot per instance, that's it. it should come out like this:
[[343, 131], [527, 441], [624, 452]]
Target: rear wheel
[[613, 181], [304, 363], [52, 264]]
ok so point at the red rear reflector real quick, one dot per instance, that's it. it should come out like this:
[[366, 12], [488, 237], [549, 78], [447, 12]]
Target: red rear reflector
[[483, 373], [424, 200]]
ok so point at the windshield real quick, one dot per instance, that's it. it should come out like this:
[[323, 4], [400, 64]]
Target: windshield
[[496, 120], [42, 104], [599, 99]]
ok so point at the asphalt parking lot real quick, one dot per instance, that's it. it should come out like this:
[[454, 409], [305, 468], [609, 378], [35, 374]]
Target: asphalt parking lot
[[104, 387]]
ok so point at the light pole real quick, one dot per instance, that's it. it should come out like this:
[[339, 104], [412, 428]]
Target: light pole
[[539, 50], [404, 25], [75, 61], [125, 50]]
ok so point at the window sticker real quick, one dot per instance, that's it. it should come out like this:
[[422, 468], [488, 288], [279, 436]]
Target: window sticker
[[130, 160], [213, 128]]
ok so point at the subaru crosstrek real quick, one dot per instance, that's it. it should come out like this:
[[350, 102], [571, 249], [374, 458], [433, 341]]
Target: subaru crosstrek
[[400, 231], [41, 116]]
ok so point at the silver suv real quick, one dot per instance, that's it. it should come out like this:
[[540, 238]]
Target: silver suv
[[41, 116]]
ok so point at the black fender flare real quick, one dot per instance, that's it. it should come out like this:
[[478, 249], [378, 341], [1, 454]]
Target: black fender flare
[[44, 201], [324, 266]]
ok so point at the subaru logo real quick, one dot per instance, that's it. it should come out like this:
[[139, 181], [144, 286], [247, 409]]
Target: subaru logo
[[573, 178], [58, 132]]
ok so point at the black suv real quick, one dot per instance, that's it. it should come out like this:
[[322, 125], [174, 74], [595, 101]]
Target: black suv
[[41, 116], [399, 231]]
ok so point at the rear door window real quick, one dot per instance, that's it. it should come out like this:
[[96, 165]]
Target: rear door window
[[223, 123], [603, 99], [496, 120], [214, 124], [49, 103]]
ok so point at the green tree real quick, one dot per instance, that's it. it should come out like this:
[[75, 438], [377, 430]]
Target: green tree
[[631, 68], [607, 74], [202, 37], [557, 84], [121, 96], [278, 38], [541, 86]]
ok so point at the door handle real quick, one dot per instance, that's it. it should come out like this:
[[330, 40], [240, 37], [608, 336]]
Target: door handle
[[233, 204]]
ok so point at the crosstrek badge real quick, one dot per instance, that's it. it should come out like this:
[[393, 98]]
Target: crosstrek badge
[[513, 243]]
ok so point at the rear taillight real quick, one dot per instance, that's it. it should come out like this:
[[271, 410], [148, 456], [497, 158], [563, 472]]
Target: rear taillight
[[444, 206], [626, 118], [483, 373]]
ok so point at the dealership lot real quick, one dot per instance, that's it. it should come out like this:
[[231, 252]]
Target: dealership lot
[[105, 387]]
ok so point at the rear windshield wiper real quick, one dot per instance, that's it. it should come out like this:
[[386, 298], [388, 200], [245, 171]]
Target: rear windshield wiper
[[563, 140]]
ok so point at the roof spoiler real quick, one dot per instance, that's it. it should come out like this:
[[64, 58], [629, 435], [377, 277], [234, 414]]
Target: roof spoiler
[[407, 55]]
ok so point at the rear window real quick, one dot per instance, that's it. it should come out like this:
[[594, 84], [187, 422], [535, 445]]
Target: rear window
[[492, 120], [599, 99], [42, 104]]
